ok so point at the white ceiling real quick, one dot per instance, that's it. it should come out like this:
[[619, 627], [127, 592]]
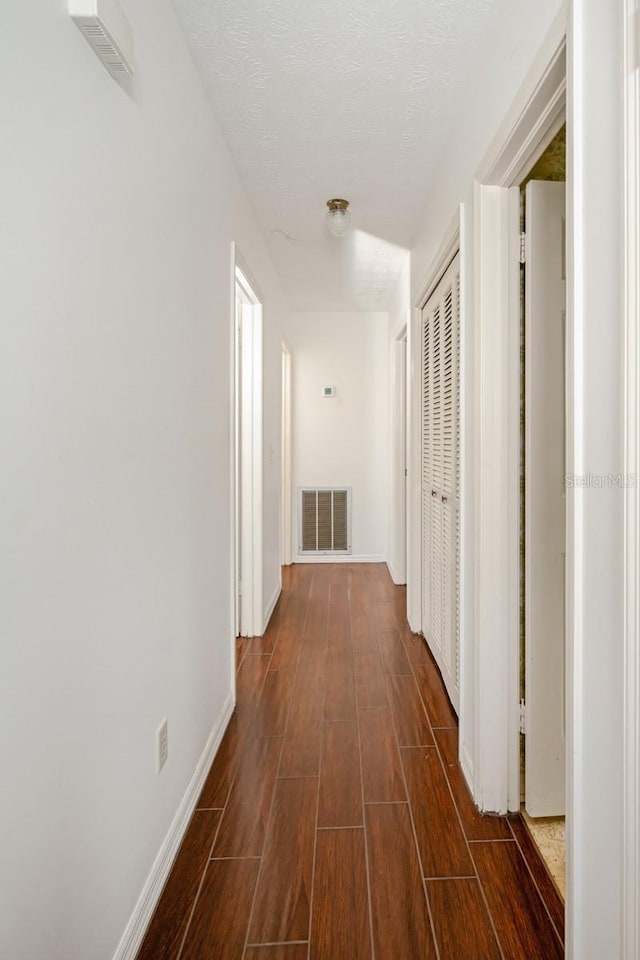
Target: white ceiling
[[337, 98]]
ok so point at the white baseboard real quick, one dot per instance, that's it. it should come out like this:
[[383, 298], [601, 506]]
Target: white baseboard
[[397, 580], [341, 558], [467, 767], [148, 900], [271, 608]]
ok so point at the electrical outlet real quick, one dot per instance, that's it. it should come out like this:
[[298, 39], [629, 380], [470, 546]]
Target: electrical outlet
[[162, 744]]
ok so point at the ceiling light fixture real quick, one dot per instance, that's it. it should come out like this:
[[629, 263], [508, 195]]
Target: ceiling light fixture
[[338, 217]]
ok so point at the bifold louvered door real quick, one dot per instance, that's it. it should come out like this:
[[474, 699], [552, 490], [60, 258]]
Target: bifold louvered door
[[441, 477], [324, 520]]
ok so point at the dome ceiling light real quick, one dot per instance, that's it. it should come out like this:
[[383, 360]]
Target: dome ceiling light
[[338, 217]]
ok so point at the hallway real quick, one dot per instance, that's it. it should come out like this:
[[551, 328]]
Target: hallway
[[335, 791]]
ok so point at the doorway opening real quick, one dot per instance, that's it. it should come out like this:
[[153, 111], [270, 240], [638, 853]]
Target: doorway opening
[[247, 446], [491, 713], [542, 491]]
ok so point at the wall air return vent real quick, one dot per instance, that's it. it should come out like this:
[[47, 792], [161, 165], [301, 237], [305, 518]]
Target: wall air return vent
[[107, 30], [324, 520]]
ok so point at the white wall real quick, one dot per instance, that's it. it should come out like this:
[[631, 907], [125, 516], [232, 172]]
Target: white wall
[[344, 440], [119, 208]]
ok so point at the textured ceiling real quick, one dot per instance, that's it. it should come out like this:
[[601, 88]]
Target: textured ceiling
[[337, 98]]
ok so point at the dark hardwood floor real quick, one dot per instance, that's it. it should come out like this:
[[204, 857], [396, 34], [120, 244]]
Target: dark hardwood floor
[[335, 823]]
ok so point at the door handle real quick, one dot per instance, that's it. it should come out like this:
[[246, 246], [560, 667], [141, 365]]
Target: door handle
[[444, 498], [434, 493]]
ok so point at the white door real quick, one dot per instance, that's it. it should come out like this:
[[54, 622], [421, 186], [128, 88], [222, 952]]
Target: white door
[[545, 311], [440, 477]]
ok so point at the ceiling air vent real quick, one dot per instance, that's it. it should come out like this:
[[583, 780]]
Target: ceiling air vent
[[105, 27], [324, 520]]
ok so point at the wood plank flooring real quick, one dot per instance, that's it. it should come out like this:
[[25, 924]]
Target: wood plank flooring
[[335, 822]]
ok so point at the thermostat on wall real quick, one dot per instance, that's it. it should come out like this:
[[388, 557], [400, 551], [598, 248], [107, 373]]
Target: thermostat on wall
[[328, 391]]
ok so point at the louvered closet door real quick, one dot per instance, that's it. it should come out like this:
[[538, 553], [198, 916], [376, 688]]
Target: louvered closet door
[[436, 479], [426, 467], [440, 478]]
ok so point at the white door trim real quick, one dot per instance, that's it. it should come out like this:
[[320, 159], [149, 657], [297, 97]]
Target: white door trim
[[631, 816], [397, 558], [286, 505], [250, 492], [599, 728], [496, 471], [233, 596], [536, 115], [446, 252]]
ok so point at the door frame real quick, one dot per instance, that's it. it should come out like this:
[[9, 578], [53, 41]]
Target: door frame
[[247, 488], [603, 704], [631, 759], [535, 117], [397, 559], [603, 680], [286, 552]]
